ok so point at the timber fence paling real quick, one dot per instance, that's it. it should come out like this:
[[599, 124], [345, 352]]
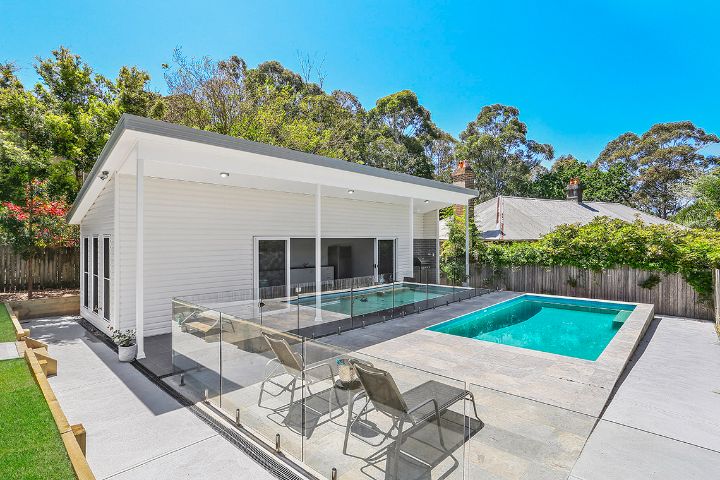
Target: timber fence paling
[[54, 268], [671, 296]]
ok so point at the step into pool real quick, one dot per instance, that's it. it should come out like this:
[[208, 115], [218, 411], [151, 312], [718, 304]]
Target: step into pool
[[563, 326]]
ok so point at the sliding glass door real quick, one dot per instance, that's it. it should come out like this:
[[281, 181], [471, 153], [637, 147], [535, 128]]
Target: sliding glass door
[[385, 259], [272, 267]]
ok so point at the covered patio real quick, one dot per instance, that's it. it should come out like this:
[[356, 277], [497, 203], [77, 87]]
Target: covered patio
[[186, 212]]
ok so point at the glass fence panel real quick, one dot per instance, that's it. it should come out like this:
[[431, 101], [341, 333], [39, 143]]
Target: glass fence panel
[[367, 417], [261, 376], [523, 438], [196, 332]]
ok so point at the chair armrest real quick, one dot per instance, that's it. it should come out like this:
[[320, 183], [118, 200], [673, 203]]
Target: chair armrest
[[417, 407], [319, 365]]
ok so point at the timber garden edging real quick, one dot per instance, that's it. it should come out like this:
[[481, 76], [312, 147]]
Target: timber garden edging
[[41, 365]]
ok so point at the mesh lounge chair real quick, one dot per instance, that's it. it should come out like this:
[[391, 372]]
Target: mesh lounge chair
[[294, 365], [205, 322], [423, 403]]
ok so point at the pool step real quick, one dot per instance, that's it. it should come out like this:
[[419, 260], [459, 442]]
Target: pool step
[[620, 318]]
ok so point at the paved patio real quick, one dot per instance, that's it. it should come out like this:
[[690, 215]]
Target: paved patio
[[537, 409], [134, 429], [662, 422]]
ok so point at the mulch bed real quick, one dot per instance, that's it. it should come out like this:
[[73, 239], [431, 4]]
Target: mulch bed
[[53, 293]]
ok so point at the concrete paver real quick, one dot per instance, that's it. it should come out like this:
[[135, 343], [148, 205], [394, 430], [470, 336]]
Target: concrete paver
[[8, 350], [134, 429], [662, 422]]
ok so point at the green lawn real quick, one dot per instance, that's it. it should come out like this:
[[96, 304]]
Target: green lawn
[[7, 331], [30, 445]]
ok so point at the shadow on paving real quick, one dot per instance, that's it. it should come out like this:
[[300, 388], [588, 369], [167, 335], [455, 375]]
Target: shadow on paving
[[68, 331]]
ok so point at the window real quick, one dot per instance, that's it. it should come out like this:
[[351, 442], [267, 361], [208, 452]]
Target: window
[[106, 278], [86, 278], [95, 246]]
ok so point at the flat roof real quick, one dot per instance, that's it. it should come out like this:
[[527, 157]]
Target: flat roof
[[149, 126]]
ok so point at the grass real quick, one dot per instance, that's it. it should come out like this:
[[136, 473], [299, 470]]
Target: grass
[[30, 444], [7, 331]]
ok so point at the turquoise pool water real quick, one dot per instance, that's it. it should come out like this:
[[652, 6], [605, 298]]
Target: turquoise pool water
[[374, 299], [570, 327]]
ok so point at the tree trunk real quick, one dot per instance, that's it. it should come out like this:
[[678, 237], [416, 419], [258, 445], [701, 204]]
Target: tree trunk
[[30, 278]]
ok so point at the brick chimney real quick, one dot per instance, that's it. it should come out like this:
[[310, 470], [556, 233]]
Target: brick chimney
[[574, 190], [463, 176]]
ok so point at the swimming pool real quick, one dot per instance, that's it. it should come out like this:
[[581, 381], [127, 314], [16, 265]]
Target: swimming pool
[[373, 299], [564, 326]]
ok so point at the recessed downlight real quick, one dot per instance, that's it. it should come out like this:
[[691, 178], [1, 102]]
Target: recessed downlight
[[427, 201], [351, 191], [224, 174]]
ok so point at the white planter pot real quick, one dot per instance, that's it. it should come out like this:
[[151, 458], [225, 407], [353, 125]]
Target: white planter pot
[[127, 354]]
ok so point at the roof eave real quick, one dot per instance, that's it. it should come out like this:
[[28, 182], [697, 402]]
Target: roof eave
[[181, 132]]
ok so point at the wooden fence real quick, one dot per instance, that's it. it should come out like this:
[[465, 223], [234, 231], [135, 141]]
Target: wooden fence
[[672, 295], [55, 268]]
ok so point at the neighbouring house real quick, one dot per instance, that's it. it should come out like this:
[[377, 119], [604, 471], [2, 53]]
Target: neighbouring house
[[521, 218], [171, 211]]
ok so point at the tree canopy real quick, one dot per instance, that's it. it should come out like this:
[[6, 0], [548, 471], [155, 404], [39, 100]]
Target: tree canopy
[[662, 163], [53, 131], [496, 146]]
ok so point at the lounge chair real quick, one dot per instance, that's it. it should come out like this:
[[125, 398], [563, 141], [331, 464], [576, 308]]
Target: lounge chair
[[205, 321], [425, 402], [294, 365]]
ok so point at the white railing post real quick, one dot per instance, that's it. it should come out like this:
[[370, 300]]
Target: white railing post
[[467, 244], [139, 256], [318, 252], [412, 237]]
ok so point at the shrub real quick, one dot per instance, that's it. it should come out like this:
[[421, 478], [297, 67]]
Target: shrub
[[608, 243]]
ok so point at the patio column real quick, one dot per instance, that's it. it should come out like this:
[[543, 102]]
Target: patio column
[[139, 255], [467, 244], [412, 237], [318, 253], [437, 246]]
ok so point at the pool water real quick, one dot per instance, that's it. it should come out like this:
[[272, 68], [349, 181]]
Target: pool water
[[374, 299], [570, 327]]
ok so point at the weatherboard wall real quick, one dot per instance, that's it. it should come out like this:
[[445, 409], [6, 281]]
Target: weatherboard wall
[[199, 237]]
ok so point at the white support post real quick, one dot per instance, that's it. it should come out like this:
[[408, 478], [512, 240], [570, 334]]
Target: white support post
[[139, 257], [412, 237], [318, 253], [467, 244], [115, 246], [437, 247]]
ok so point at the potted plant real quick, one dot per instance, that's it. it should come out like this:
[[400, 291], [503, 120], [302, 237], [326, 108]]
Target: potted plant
[[125, 340]]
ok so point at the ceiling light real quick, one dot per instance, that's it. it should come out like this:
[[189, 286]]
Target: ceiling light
[[351, 191], [427, 201], [224, 174]]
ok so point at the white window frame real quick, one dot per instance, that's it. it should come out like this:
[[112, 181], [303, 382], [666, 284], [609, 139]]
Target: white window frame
[[95, 275], [106, 277], [394, 267], [85, 271]]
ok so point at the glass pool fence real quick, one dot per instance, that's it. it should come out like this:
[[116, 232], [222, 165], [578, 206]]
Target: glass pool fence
[[339, 413]]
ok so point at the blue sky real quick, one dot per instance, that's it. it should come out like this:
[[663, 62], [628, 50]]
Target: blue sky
[[581, 73]]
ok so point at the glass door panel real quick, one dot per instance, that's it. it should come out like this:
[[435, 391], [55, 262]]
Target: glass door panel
[[272, 264], [386, 258]]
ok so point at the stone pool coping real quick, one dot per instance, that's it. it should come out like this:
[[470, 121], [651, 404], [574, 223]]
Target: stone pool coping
[[583, 386]]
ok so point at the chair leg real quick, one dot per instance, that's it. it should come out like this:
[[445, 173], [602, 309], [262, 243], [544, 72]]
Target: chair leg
[[398, 444], [472, 399], [292, 392], [439, 427], [262, 390]]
